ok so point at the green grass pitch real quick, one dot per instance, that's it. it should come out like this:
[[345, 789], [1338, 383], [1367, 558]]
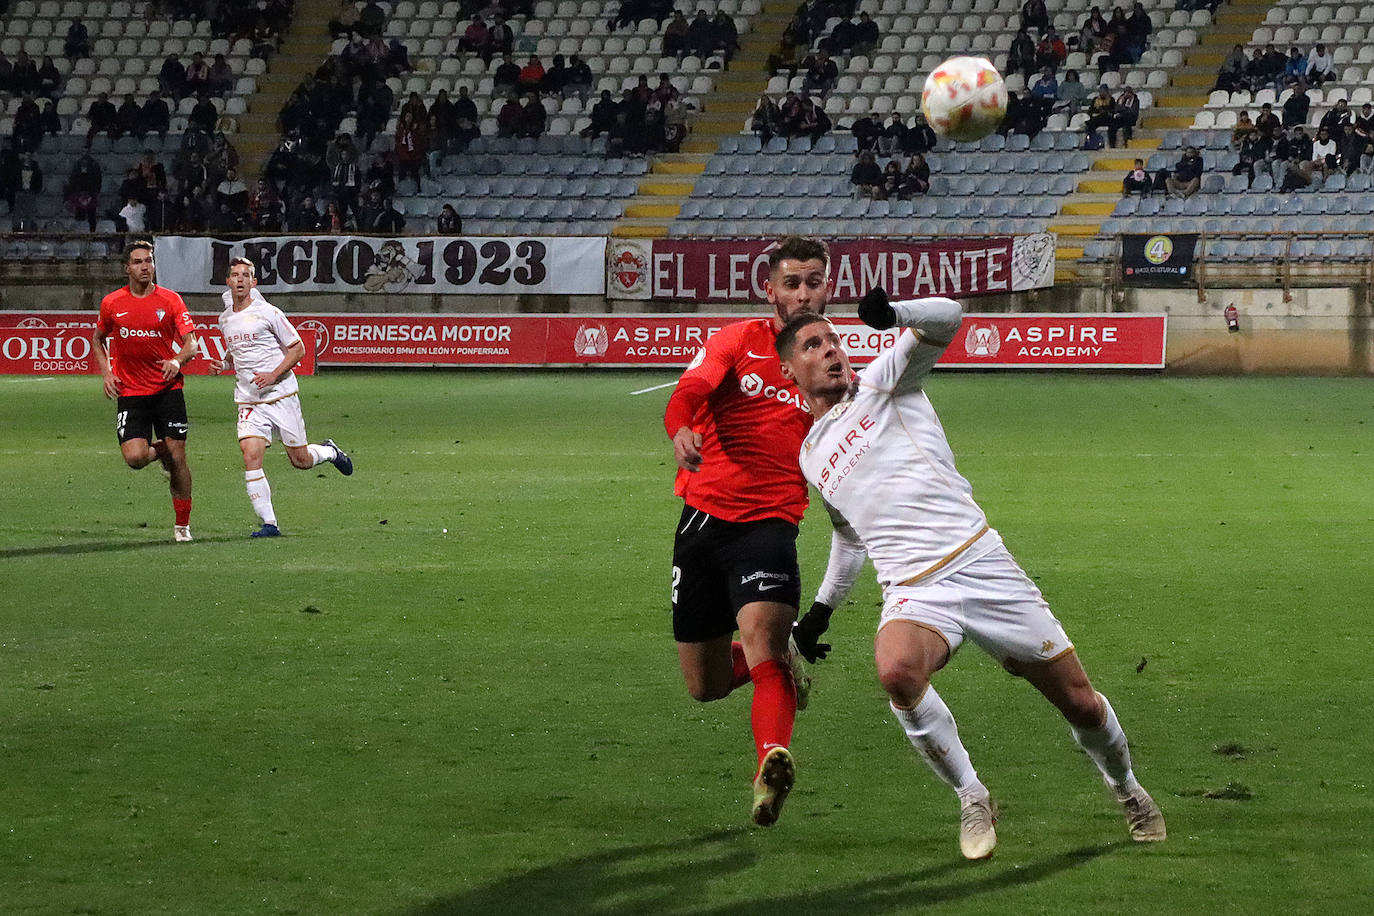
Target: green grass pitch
[[373, 716]]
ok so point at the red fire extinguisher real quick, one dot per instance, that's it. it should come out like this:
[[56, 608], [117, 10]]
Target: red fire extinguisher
[[1232, 319]]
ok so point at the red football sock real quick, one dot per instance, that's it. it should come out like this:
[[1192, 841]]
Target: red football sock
[[741, 666], [182, 508], [775, 705]]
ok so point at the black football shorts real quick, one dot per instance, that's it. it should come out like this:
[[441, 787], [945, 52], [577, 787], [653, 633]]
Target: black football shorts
[[720, 566], [152, 416]]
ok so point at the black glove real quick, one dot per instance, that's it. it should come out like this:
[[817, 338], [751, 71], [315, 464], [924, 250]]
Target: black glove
[[874, 310], [806, 631]]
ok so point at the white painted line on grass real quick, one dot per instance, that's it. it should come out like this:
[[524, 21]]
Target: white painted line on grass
[[654, 388]]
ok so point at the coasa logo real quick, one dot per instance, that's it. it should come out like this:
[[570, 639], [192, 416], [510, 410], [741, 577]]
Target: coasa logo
[[591, 340], [137, 332], [982, 340], [753, 385]]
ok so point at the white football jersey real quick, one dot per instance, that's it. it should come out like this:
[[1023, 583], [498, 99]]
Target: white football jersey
[[256, 338], [885, 470]]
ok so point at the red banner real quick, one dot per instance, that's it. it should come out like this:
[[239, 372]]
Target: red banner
[[734, 270], [66, 350], [984, 341]]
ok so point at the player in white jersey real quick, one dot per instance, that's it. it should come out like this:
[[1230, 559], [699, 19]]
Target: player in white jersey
[[262, 348], [885, 471]]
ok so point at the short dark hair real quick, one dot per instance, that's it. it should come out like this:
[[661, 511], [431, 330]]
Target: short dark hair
[[135, 245], [799, 248], [252, 268], [787, 337]]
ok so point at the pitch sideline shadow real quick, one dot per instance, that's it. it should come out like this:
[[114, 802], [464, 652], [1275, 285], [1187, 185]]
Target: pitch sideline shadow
[[80, 547], [663, 879]]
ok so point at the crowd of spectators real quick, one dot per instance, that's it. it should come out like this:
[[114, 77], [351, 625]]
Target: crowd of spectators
[[703, 36], [1115, 39], [798, 115], [889, 182], [645, 119], [1268, 68]]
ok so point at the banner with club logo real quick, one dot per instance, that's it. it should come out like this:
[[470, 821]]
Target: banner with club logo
[[359, 264], [1053, 341], [734, 270], [1158, 260]]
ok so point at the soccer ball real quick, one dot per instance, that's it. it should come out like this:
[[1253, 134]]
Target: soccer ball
[[964, 98]]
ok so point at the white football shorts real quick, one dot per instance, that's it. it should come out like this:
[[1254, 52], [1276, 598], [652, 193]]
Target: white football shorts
[[283, 417], [990, 601]]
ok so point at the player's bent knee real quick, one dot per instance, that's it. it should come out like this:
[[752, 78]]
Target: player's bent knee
[[902, 680], [1082, 708]]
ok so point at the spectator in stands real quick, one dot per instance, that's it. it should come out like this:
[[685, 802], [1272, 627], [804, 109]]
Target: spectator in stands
[[82, 191], [866, 35], [892, 179], [1350, 147], [1336, 119], [1071, 93], [674, 125], [1091, 31], [197, 75], [476, 39], [1231, 74], [77, 44], [893, 137], [602, 117], [49, 79], [103, 117], [701, 39], [1296, 108], [500, 37], [531, 75], [555, 77], [411, 147], [450, 223], [1050, 51], [152, 179], [303, 217], [867, 177], [374, 110], [130, 116], [266, 212], [508, 119], [1021, 55], [533, 117], [624, 138], [380, 177], [28, 127], [345, 178], [1187, 175], [1268, 123], [232, 192], [467, 120], [725, 35], [915, 178], [1292, 165], [1320, 65], [225, 220], [345, 21], [442, 120], [371, 19], [1242, 130], [221, 76], [133, 216], [821, 74], [815, 123], [1256, 72], [865, 129], [335, 220], [1035, 15], [1137, 180], [9, 175], [204, 115], [1044, 92], [24, 76], [675, 36], [1138, 29], [155, 117], [919, 137], [27, 188], [1294, 69], [506, 77], [264, 41], [1274, 62], [1101, 110], [1125, 117], [1253, 155], [766, 119], [1325, 154], [579, 80]]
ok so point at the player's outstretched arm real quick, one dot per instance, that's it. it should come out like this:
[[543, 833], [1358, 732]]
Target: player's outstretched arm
[[875, 311]]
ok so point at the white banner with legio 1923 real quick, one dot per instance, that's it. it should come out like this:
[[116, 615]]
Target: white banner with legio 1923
[[363, 264]]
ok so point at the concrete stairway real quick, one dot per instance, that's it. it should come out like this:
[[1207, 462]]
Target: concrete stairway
[[1083, 213], [671, 177], [304, 46]]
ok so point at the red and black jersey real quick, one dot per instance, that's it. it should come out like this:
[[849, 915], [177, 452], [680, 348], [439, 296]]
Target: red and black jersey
[[140, 332], [752, 422]]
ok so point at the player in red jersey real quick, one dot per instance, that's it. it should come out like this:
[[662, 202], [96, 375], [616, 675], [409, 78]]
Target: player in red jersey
[[737, 425], [152, 336]]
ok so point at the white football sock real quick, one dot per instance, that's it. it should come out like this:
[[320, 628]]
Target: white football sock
[[932, 731], [1107, 747], [321, 453], [260, 495]]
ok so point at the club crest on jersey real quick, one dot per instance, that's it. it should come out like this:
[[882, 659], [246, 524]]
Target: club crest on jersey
[[160, 313]]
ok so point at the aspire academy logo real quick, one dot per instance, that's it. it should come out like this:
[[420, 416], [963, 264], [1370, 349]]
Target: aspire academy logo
[[591, 340], [982, 340]]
